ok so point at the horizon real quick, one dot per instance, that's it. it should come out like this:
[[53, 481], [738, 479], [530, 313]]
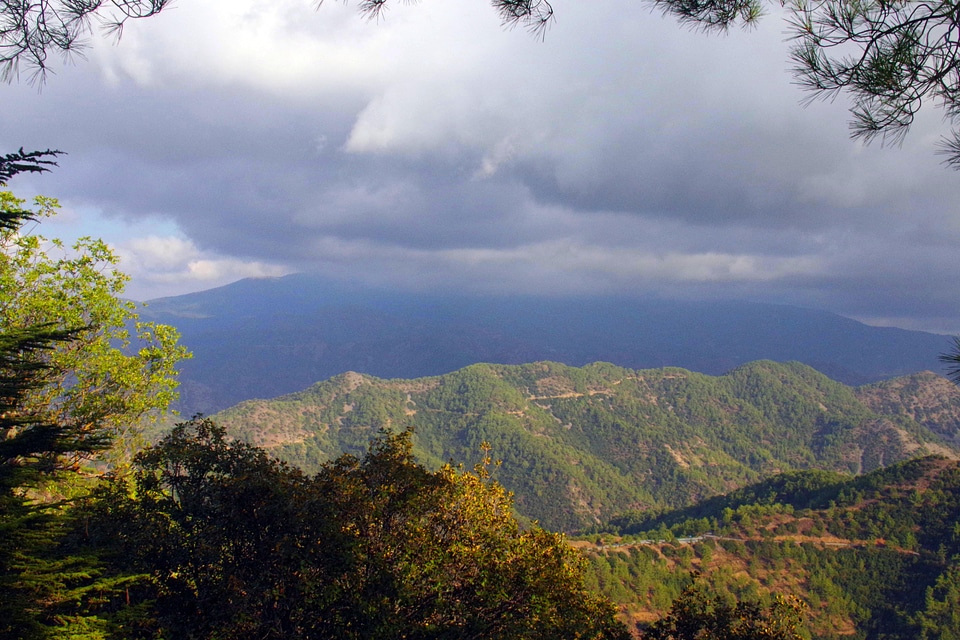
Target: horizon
[[882, 323]]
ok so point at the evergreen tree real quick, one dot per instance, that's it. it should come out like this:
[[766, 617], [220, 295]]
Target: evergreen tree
[[51, 419]]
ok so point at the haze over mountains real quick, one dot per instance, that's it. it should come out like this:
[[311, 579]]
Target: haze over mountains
[[260, 338]]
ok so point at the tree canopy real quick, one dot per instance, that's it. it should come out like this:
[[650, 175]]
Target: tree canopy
[[701, 615], [238, 545], [71, 379]]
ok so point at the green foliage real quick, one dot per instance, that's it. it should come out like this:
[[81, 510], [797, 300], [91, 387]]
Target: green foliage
[[700, 615], [796, 490], [882, 568], [115, 369], [66, 390], [240, 545], [940, 617], [579, 445], [32, 444], [46, 585]]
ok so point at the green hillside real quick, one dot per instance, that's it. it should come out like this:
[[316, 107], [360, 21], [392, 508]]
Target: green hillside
[[579, 445], [875, 556]]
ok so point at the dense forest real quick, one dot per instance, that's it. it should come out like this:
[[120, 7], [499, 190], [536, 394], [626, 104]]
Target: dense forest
[[580, 444], [873, 556]]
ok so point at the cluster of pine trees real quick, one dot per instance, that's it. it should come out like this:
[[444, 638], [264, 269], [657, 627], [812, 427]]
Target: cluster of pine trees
[[872, 556]]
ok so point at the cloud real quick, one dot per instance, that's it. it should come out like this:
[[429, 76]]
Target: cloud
[[435, 150], [160, 266]]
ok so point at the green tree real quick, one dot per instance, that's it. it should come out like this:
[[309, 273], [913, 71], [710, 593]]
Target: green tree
[[47, 584], [700, 615], [69, 378], [940, 617], [115, 370], [53, 413], [30, 449], [240, 545]]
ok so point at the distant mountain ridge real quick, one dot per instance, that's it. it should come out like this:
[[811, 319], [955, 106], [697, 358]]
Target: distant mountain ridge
[[581, 444], [262, 338]]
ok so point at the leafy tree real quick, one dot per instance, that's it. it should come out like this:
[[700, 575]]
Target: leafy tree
[[239, 545], [115, 369], [74, 358], [33, 442], [700, 615], [53, 412]]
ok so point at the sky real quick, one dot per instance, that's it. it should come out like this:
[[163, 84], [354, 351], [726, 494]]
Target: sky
[[432, 149]]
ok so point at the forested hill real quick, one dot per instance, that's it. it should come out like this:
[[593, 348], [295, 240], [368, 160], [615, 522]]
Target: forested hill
[[874, 556], [581, 444], [261, 338]]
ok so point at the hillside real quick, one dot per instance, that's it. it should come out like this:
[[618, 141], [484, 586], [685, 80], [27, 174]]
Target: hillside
[[872, 556], [579, 445], [261, 338]]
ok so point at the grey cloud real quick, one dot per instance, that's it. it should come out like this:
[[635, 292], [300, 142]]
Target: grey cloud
[[623, 154]]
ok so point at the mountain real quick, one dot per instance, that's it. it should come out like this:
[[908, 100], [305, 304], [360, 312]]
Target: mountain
[[260, 338], [581, 444], [874, 556]]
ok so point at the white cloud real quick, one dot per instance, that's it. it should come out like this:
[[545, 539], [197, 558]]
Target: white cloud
[[169, 265], [555, 267], [556, 261], [286, 47]]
